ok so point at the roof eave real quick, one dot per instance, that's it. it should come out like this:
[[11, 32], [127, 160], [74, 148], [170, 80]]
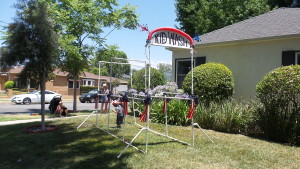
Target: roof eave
[[281, 37]]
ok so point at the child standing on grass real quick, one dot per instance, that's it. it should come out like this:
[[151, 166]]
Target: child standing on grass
[[120, 112]]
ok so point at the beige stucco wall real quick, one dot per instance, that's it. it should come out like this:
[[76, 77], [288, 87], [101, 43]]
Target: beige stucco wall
[[60, 85], [249, 61]]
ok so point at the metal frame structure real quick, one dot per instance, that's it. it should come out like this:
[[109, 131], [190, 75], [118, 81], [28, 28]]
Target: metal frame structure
[[147, 128]]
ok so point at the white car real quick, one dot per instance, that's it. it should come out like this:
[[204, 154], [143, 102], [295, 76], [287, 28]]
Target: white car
[[34, 97]]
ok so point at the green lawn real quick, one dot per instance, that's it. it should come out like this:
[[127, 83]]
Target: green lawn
[[12, 117], [90, 147]]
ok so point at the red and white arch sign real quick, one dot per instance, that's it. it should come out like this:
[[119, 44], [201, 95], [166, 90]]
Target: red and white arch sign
[[170, 37]]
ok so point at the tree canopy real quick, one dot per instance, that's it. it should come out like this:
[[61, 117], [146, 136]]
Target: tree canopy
[[164, 67], [140, 83], [203, 16], [107, 53], [78, 21], [31, 42]]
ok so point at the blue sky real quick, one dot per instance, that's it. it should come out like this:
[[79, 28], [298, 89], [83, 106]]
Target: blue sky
[[154, 13]]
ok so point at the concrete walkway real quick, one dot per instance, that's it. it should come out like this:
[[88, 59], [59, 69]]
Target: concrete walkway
[[5, 123]]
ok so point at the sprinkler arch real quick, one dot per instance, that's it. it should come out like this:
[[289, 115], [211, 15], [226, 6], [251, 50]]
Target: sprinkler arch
[[166, 37]]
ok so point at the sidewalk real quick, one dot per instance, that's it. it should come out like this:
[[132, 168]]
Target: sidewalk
[[5, 123]]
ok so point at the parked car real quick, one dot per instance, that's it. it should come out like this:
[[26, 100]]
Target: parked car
[[34, 97], [90, 97]]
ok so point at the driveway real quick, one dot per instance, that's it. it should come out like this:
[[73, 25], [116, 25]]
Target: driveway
[[6, 107]]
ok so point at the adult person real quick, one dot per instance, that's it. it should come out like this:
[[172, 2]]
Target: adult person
[[105, 99], [54, 103]]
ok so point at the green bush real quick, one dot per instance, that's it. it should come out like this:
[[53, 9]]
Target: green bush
[[227, 116], [9, 84], [279, 92], [212, 82], [138, 79], [177, 111], [86, 89]]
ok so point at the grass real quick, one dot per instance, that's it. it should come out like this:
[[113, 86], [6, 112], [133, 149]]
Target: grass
[[13, 117], [89, 147]]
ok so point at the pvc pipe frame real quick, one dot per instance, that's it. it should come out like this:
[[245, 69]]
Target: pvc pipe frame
[[99, 79], [142, 127], [148, 111], [99, 71]]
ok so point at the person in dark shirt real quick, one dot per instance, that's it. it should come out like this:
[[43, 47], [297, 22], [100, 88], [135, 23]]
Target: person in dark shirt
[[54, 103]]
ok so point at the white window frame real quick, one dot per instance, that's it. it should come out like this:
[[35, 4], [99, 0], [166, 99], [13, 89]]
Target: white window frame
[[85, 82]]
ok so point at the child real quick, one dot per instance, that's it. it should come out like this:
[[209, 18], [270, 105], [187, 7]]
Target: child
[[120, 112], [62, 109]]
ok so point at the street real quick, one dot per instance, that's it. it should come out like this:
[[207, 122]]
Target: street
[[6, 107]]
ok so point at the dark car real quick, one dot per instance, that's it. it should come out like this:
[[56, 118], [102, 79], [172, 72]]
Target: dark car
[[90, 97]]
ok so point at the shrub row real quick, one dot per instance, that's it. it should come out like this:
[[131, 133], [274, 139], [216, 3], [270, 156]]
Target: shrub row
[[227, 116], [276, 115], [86, 89]]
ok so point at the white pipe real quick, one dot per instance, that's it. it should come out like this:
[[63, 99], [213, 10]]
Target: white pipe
[[148, 110], [121, 63], [196, 124], [136, 60], [130, 144], [99, 77], [166, 115], [192, 91], [85, 119], [131, 76], [165, 135]]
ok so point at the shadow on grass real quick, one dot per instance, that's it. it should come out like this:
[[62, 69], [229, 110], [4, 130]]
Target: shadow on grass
[[63, 148]]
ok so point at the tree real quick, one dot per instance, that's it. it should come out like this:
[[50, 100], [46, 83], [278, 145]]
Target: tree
[[164, 67], [106, 54], [156, 78], [32, 42], [81, 20], [203, 16]]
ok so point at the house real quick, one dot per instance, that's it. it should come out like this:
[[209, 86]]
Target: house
[[61, 82], [250, 49]]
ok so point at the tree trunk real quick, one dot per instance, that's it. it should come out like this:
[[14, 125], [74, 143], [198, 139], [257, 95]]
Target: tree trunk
[[42, 86], [74, 95]]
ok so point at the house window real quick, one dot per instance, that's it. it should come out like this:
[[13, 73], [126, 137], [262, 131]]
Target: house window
[[88, 82], [290, 58], [183, 66], [71, 84]]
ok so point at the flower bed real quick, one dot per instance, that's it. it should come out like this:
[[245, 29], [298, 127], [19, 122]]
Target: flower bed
[[38, 129]]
